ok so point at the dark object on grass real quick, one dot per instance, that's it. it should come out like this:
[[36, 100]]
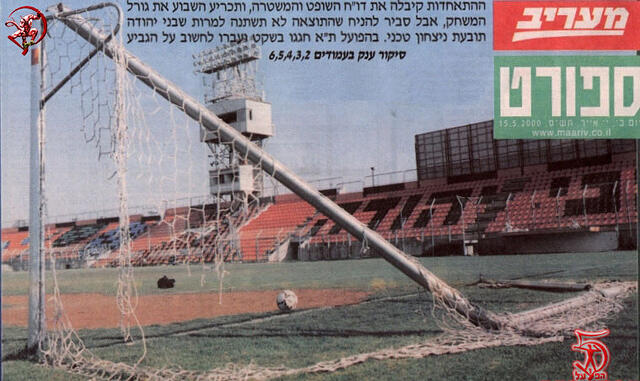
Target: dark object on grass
[[534, 285], [165, 282]]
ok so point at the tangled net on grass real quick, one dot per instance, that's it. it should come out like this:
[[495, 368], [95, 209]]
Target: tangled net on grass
[[552, 323]]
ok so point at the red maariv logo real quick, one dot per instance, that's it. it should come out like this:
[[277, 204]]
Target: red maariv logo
[[596, 356], [566, 25]]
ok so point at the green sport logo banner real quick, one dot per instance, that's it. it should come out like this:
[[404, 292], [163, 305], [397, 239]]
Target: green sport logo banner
[[563, 97]]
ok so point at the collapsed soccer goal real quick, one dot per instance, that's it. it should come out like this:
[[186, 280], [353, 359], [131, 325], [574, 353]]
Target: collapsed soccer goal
[[122, 101]]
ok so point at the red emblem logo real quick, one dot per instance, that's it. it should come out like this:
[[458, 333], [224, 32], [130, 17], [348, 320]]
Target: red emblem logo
[[596, 356], [566, 25], [25, 30]]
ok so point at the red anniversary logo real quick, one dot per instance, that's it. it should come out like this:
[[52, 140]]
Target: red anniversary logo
[[596, 355]]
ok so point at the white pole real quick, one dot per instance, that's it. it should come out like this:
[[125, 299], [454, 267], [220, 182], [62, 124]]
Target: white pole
[[433, 237], [464, 241], [533, 208], [508, 223], [36, 265], [615, 207], [584, 204]]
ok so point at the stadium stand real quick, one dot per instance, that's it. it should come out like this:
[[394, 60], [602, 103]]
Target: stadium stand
[[77, 234], [14, 243], [473, 195], [273, 226]]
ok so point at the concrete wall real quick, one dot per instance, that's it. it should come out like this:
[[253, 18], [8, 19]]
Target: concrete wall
[[564, 242], [550, 243]]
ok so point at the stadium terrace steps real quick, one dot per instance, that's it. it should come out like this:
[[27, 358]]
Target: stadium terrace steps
[[272, 226], [18, 242], [52, 233], [78, 234], [562, 204], [179, 237], [531, 205], [102, 247], [15, 241]]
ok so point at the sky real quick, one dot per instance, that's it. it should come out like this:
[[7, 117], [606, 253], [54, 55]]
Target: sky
[[332, 119]]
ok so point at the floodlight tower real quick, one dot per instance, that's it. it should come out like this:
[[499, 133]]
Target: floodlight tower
[[233, 93]]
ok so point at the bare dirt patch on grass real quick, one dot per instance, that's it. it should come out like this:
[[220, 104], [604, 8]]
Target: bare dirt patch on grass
[[100, 311]]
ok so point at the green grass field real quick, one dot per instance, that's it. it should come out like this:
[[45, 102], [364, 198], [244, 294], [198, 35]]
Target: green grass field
[[396, 314]]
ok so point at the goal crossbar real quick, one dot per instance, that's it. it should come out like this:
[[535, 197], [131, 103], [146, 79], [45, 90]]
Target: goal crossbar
[[451, 297]]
